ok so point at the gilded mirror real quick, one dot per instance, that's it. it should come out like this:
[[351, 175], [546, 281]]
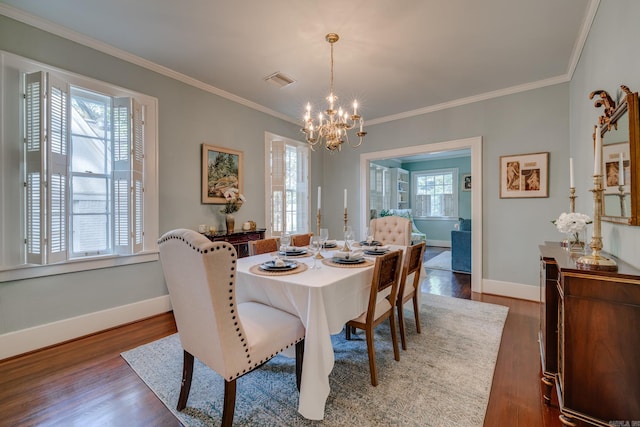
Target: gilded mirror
[[620, 151]]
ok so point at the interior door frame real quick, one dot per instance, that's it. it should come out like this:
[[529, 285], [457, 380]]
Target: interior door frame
[[475, 145]]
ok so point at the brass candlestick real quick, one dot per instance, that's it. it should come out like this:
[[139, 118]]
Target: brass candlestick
[[346, 247], [595, 261], [572, 199], [318, 254], [621, 195]]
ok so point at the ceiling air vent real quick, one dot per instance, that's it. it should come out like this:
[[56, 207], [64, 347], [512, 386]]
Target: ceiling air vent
[[279, 79]]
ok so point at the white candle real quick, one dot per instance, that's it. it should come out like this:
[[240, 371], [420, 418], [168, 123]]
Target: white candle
[[597, 165], [345, 199], [571, 172], [361, 123], [319, 198], [621, 170], [355, 108]]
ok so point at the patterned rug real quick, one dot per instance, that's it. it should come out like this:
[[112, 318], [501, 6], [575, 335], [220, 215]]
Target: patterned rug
[[442, 261], [442, 379]]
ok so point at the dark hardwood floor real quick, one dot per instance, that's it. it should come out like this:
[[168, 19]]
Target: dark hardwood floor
[[85, 382]]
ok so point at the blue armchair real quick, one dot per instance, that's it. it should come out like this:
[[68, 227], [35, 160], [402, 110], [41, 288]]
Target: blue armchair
[[461, 247]]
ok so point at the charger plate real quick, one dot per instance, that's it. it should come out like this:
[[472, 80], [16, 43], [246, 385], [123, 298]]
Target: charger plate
[[255, 269], [330, 263]]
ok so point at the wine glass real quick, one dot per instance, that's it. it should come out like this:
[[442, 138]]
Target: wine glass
[[348, 236], [369, 238], [315, 244], [324, 236], [285, 241]]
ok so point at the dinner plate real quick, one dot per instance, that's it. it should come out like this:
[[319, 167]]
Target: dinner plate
[[376, 252], [330, 245], [372, 243], [348, 261], [293, 252], [271, 266]]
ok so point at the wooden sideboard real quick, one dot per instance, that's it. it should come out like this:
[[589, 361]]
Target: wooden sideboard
[[590, 340], [238, 238]]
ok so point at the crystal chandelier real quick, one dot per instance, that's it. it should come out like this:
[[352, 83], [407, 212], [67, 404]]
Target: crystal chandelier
[[332, 126]]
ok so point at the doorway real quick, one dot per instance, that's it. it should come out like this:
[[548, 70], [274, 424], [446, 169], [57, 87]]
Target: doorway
[[475, 145]]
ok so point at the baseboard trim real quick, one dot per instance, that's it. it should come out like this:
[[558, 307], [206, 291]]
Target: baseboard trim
[[439, 243], [511, 290], [37, 337]]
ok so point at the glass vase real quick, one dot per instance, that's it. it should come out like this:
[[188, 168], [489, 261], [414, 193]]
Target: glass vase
[[576, 242]]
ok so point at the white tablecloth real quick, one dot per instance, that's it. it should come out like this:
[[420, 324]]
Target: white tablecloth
[[324, 300]]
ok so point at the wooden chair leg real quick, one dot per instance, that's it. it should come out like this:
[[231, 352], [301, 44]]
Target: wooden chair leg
[[403, 334], [185, 385], [416, 311], [347, 332], [229, 403], [372, 356], [299, 359], [394, 336]]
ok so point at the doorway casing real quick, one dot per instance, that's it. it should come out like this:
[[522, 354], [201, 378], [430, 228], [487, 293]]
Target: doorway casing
[[475, 145]]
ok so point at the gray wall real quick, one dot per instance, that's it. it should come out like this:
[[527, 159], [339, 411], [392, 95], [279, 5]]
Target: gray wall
[[188, 117], [609, 59], [527, 122], [556, 119]]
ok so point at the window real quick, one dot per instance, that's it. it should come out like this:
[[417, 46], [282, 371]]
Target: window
[[287, 181], [85, 164], [435, 193]]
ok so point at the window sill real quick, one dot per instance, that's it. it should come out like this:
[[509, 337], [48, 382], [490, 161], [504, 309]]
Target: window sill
[[32, 271]]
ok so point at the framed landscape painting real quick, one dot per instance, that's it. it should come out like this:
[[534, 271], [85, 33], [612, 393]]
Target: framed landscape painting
[[524, 175], [221, 169]]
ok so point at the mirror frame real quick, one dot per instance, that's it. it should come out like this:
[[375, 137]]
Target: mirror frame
[[612, 113]]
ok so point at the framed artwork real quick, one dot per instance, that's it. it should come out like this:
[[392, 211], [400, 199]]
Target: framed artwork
[[611, 156], [524, 175], [221, 169], [466, 182]]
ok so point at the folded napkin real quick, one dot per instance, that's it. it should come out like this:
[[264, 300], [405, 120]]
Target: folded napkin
[[349, 255], [331, 242], [375, 248], [278, 262], [291, 249]]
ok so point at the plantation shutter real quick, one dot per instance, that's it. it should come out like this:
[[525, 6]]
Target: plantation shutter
[[57, 167], [302, 190], [278, 172], [35, 164], [137, 162], [128, 138]]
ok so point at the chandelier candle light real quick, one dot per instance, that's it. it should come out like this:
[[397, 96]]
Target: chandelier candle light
[[331, 131]]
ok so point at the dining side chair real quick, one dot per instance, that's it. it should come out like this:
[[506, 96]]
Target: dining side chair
[[386, 275], [409, 291], [264, 246], [231, 338], [392, 230], [301, 239]]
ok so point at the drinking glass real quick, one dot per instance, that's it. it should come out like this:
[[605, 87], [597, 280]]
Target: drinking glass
[[315, 244], [324, 235], [369, 238], [348, 236], [285, 241]]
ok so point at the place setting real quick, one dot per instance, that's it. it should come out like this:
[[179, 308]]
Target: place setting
[[350, 259], [278, 267]]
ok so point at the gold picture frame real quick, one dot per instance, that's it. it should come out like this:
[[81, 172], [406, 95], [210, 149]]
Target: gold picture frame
[[222, 168], [524, 175]]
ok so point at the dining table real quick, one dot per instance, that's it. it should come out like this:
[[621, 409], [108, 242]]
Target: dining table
[[323, 298]]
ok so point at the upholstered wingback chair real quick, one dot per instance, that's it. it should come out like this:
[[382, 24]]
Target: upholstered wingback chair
[[230, 338], [392, 230]]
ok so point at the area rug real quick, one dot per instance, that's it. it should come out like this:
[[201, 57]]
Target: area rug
[[442, 379], [442, 261]]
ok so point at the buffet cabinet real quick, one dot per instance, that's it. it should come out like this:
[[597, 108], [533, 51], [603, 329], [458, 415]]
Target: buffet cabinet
[[238, 238], [590, 340]]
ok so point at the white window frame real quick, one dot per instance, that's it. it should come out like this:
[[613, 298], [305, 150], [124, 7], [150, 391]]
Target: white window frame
[[275, 182], [416, 202], [11, 265]]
